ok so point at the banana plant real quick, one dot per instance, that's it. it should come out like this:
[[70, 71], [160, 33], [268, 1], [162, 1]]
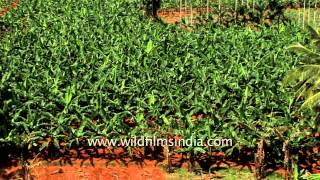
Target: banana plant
[[306, 77]]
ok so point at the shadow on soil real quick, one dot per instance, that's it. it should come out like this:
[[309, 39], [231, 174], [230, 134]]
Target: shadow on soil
[[206, 163]]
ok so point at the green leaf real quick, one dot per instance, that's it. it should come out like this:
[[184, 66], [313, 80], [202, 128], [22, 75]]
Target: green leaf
[[298, 48], [151, 100], [149, 46], [314, 32], [197, 150], [312, 101], [165, 120]]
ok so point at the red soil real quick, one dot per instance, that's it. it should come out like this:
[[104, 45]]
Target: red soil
[[117, 164], [100, 168], [173, 16], [98, 171], [5, 10]]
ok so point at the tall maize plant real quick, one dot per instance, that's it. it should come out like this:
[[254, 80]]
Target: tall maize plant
[[306, 77]]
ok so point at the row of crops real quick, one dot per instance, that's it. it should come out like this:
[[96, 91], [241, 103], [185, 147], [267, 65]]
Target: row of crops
[[232, 3], [73, 70], [253, 13]]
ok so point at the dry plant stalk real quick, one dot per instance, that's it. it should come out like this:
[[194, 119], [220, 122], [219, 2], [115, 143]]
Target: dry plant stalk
[[180, 10], [191, 15], [253, 4], [315, 14], [185, 5], [287, 159], [260, 160], [207, 9], [309, 12], [299, 14], [236, 10], [304, 13], [167, 152]]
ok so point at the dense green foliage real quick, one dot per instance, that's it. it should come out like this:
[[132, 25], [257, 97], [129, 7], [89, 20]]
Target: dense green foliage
[[73, 70]]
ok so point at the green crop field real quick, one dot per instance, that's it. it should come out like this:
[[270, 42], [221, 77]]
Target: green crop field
[[232, 3], [74, 70]]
